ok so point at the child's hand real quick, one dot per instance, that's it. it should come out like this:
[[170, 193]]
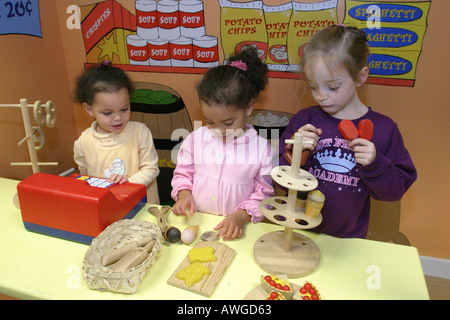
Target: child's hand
[[117, 178], [310, 133], [365, 151], [185, 200], [233, 226]]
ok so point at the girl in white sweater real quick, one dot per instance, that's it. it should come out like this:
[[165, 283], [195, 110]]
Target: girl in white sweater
[[114, 147]]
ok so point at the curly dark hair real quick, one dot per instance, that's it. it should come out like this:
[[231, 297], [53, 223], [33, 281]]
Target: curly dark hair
[[101, 78], [232, 86]]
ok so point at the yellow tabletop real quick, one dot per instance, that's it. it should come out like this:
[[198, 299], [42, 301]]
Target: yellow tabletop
[[35, 266]]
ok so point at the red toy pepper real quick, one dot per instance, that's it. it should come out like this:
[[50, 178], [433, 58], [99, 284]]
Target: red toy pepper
[[365, 129], [348, 130]]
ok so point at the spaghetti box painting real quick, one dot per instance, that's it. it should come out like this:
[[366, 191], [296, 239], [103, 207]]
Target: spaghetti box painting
[[77, 207]]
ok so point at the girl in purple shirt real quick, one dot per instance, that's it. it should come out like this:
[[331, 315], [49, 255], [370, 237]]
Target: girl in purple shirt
[[348, 172], [224, 168]]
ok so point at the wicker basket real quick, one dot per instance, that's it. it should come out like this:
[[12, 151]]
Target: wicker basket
[[114, 236]]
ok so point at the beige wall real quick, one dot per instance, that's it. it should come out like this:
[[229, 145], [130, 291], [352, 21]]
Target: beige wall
[[47, 72], [35, 68]]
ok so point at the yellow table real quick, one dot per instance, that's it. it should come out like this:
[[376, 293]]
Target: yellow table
[[35, 266]]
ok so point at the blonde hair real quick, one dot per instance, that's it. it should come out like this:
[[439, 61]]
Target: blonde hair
[[338, 46]]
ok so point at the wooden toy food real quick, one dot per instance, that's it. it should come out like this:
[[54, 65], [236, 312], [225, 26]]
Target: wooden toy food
[[307, 292], [210, 236], [365, 129], [134, 257], [117, 254], [189, 234], [118, 234], [218, 256], [278, 284], [193, 273], [314, 203], [205, 254], [172, 234], [348, 129], [273, 295]]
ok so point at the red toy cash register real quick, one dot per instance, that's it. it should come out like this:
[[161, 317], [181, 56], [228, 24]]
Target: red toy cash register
[[77, 207]]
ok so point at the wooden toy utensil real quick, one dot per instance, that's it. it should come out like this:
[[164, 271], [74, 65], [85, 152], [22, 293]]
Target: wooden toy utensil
[[159, 213], [117, 254], [134, 257], [365, 129], [348, 129]]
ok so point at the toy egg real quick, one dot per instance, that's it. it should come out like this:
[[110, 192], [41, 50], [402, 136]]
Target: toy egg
[[189, 234], [172, 234]]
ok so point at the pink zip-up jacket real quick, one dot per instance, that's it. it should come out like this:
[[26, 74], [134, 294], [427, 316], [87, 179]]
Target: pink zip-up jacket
[[225, 176]]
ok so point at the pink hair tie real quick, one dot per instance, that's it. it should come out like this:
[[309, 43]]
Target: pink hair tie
[[341, 25], [239, 64]]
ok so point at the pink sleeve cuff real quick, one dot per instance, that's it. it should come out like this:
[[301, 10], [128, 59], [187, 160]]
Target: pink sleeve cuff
[[252, 208]]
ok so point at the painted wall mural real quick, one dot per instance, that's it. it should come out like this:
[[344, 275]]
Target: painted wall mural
[[171, 36], [278, 32], [161, 35]]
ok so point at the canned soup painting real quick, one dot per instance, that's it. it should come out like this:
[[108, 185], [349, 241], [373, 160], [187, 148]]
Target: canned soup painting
[[163, 34]]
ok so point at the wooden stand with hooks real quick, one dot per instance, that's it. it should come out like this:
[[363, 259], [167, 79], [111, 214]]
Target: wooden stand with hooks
[[289, 252], [34, 135]]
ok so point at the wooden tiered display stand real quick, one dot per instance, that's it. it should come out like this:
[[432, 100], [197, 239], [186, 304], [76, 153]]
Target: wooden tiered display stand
[[289, 252]]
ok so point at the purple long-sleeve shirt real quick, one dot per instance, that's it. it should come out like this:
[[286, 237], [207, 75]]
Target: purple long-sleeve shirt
[[347, 185]]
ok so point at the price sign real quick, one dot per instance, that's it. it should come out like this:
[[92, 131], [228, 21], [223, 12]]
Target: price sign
[[20, 17]]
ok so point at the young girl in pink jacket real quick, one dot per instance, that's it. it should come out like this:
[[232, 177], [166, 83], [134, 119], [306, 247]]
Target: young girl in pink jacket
[[224, 167]]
